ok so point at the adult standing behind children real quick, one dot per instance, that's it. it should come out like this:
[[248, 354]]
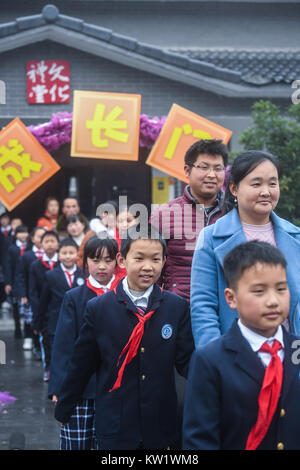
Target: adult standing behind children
[[253, 192], [243, 387], [70, 207], [180, 221], [136, 405], [49, 219]]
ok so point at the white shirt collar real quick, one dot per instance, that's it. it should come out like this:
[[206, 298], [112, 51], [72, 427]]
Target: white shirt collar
[[97, 284], [255, 340], [141, 300], [19, 243], [35, 249], [53, 259], [70, 270]]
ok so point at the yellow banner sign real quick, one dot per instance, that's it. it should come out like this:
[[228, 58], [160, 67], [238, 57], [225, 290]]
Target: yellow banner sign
[[106, 125], [24, 164], [181, 129]]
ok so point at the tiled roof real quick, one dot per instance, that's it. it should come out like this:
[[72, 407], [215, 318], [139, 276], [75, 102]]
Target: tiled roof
[[256, 67], [238, 69]]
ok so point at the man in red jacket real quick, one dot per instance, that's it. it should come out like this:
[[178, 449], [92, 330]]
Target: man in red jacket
[[181, 219]]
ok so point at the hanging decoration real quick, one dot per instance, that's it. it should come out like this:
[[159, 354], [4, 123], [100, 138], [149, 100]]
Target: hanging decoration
[[58, 131]]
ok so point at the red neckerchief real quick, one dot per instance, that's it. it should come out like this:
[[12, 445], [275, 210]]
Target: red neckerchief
[[133, 343], [268, 396], [45, 263], [70, 276], [99, 290]]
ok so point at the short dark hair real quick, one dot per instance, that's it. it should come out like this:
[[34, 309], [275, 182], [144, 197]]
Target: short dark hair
[[50, 233], [246, 255], [67, 242], [21, 228], [149, 232], [211, 147], [94, 247], [77, 218]]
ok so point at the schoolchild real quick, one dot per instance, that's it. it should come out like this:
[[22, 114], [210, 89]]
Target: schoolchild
[[37, 271], [15, 250], [243, 387], [100, 264], [58, 281], [33, 252], [132, 337]]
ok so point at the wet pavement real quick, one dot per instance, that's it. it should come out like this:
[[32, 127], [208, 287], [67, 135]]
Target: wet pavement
[[33, 413]]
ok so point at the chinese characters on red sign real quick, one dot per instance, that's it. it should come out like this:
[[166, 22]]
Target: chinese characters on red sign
[[48, 81]]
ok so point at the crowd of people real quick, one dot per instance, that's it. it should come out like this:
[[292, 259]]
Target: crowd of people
[[208, 287]]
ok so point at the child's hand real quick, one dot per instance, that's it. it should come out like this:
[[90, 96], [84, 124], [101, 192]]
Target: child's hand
[[7, 289], [54, 398]]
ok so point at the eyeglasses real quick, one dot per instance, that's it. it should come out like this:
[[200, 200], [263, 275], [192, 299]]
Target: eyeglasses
[[208, 169]]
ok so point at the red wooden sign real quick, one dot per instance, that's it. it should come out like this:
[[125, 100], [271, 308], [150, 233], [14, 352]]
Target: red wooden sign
[[48, 81]]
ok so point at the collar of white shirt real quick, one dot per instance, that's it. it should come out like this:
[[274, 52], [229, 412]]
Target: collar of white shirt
[[138, 300], [47, 259], [20, 244], [97, 284], [70, 270], [35, 249], [256, 341]]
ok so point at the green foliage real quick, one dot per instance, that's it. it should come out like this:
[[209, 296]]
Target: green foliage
[[279, 135]]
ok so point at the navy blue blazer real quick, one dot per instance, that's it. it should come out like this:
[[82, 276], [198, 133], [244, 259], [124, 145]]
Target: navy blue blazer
[[144, 409], [13, 255], [221, 400], [54, 288], [67, 331], [37, 273], [22, 273]]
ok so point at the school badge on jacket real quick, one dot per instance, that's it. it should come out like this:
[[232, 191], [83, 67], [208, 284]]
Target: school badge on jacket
[[167, 331]]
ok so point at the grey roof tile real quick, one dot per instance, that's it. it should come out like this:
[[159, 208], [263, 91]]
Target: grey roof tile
[[123, 41], [97, 32], [32, 21], [261, 67], [69, 22], [6, 29]]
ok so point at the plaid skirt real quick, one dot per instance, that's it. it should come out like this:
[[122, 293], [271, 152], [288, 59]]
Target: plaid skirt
[[79, 433], [25, 311]]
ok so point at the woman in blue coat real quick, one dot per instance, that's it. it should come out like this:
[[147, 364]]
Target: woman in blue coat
[[252, 195]]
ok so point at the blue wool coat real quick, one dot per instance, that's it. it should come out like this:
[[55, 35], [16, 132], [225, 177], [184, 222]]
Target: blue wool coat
[[144, 409], [67, 331], [221, 400], [211, 316]]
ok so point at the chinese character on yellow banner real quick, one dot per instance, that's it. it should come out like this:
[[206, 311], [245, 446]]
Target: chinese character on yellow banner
[[181, 129], [106, 125], [24, 164]]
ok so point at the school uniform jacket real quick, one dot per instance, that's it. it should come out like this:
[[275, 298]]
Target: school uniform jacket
[[10, 269], [54, 288], [221, 400], [67, 331], [37, 273], [144, 409], [22, 272]]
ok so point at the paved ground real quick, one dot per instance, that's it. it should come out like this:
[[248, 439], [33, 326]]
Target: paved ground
[[32, 414]]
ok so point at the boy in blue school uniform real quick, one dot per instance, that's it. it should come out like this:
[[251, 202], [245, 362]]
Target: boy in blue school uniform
[[58, 281], [14, 252], [32, 253], [37, 271], [243, 388], [132, 338]]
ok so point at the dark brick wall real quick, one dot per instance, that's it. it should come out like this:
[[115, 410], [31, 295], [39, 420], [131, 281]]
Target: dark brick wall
[[89, 72]]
